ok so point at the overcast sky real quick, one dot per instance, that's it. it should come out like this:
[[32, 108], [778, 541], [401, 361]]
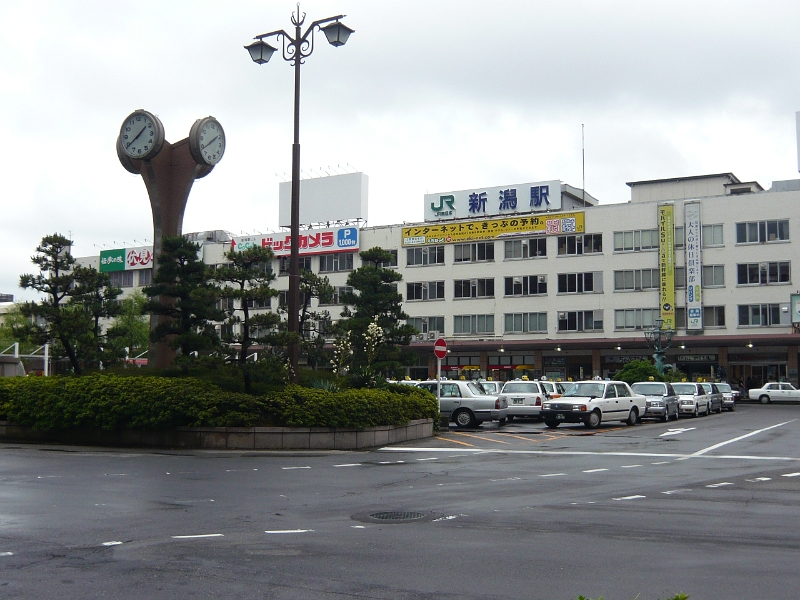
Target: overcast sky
[[427, 96]]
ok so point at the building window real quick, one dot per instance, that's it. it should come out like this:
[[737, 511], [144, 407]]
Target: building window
[[425, 325], [474, 288], [765, 273], [713, 276], [473, 324], [226, 304], [425, 290], [259, 303], [333, 263], [760, 232], [532, 248], [145, 277], [680, 236], [636, 240], [713, 316], [581, 320], [589, 243], [636, 279], [580, 283], [712, 236], [680, 317], [680, 278], [283, 264], [526, 322], [429, 255], [477, 252], [529, 285], [760, 315], [391, 262], [283, 298], [633, 319], [121, 279], [338, 292]]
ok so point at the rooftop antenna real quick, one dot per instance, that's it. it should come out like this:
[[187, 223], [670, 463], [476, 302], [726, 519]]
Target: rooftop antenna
[[583, 165], [352, 167]]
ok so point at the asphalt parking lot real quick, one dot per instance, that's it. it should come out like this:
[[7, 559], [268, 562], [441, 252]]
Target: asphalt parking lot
[[707, 506]]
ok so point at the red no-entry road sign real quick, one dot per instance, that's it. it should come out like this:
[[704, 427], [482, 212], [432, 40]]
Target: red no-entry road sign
[[440, 348]]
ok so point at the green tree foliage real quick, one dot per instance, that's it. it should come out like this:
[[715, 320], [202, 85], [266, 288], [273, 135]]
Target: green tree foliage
[[244, 283], [314, 324], [13, 318], [374, 296], [131, 328], [190, 300], [76, 300], [639, 370]]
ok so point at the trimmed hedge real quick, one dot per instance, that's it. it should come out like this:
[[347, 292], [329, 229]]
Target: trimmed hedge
[[100, 401]]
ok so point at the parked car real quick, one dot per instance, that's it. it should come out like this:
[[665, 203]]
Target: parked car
[[729, 396], [662, 401], [775, 392], [524, 398], [693, 398], [716, 396], [591, 402], [554, 389], [491, 387], [467, 403]]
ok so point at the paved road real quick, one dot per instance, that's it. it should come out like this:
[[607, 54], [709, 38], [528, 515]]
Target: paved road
[[708, 506]]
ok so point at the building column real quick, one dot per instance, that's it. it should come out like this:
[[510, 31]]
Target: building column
[[722, 359], [432, 367], [484, 360], [538, 363], [596, 363], [791, 365]]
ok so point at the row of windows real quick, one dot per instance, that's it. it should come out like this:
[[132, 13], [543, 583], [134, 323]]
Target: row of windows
[[634, 319], [124, 279]]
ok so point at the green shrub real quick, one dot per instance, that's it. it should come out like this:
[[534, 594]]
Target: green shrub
[[101, 401]]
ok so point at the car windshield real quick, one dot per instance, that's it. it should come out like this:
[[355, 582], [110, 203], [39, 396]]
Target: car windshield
[[683, 388], [585, 389], [476, 389], [649, 389], [724, 387], [520, 387]]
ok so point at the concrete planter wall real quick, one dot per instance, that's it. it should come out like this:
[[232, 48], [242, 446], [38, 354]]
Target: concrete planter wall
[[229, 438]]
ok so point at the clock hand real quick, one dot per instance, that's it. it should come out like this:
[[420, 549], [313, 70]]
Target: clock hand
[[137, 136], [211, 142]]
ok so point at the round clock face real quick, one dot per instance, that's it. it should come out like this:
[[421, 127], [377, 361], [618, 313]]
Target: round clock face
[[207, 141], [141, 135]]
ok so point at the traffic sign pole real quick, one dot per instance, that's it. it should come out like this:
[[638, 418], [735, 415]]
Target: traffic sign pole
[[440, 351]]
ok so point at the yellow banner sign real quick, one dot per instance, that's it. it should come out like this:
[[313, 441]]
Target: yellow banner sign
[[666, 263], [491, 229]]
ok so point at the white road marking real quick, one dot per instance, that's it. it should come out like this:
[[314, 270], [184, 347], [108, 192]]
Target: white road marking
[[6, 554], [507, 479], [48, 476], [111, 543], [661, 462], [791, 475], [432, 458], [676, 431], [681, 491], [202, 535], [741, 437], [716, 485], [629, 466], [447, 518], [759, 479], [357, 527], [349, 465], [553, 475], [595, 470], [291, 468], [630, 497], [114, 474], [289, 531]]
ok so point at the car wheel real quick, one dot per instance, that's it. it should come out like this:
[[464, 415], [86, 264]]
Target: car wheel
[[552, 424], [696, 411], [464, 418], [510, 418], [719, 410], [733, 407], [764, 399], [502, 421], [676, 416], [632, 417], [593, 422], [665, 418]]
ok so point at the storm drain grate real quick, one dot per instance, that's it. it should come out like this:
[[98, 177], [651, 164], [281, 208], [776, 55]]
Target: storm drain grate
[[397, 516]]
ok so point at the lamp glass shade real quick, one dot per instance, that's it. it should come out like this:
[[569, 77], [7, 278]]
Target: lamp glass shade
[[337, 33], [260, 51]]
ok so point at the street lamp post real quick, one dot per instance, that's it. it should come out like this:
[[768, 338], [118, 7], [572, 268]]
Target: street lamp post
[[295, 49], [660, 340]]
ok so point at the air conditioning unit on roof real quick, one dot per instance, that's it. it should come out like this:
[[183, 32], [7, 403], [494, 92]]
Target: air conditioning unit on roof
[[542, 278], [433, 335]]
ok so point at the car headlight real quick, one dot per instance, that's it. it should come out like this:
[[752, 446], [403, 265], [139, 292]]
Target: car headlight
[[546, 406], [687, 402], [655, 403], [581, 407]]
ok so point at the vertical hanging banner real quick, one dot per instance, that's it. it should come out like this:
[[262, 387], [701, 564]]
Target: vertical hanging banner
[[694, 267], [666, 263]]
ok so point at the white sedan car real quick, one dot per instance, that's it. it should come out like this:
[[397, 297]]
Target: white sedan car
[[524, 399], [775, 392]]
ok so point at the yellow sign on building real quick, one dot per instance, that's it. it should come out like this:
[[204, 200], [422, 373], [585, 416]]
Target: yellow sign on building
[[491, 229], [666, 263]]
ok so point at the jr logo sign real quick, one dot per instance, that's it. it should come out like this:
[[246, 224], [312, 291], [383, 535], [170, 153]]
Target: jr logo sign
[[444, 200]]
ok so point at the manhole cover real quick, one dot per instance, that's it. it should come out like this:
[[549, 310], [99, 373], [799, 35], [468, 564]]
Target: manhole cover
[[397, 516]]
